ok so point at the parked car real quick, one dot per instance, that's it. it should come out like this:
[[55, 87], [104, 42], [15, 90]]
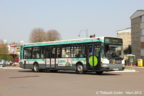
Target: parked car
[[2, 63], [16, 64], [7, 63]]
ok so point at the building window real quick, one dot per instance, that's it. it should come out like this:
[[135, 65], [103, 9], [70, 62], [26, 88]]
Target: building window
[[142, 52], [143, 19], [142, 44], [142, 32]]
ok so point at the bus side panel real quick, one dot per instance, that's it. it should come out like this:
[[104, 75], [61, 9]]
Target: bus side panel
[[28, 63], [40, 62], [24, 63], [69, 63], [53, 63], [64, 63], [47, 63], [79, 61]]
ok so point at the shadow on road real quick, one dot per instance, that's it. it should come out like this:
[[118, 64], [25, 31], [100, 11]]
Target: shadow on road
[[72, 72]]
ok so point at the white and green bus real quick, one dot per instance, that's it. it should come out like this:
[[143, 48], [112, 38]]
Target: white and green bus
[[81, 55]]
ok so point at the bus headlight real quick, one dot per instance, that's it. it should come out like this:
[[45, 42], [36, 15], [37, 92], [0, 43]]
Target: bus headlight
[[105, 61], [123, 61]]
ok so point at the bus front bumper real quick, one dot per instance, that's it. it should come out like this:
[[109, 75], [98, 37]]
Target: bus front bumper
[[112, 67]]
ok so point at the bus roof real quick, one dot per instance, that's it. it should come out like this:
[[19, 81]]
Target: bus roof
[[63, 42]]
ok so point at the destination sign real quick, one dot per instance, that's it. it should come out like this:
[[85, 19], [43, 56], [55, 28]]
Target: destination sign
[[113, 40]]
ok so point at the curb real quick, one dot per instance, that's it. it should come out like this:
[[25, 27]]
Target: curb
[[127, 71], [10, 68]]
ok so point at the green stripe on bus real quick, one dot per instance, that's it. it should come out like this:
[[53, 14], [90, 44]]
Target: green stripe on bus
[[78, 59], [35, 59], [61, 43]]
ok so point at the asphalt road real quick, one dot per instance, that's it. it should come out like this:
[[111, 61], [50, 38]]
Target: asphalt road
[[27, 83]]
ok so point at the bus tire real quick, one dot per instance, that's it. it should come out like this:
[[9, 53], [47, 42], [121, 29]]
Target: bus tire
[[35, 68], [79, 68], [99, 72]]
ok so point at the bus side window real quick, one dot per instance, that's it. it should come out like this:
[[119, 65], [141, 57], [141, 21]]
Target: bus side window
[[47, 52], [36, 53], [76, 52], [71, 51], [66, 52], [42, 53], [97, 50], [27, 53], [59, 52], [90, 51], [82, 52], [42, 56], [63, 52], [79, 52], [38, 56], [53, 52]]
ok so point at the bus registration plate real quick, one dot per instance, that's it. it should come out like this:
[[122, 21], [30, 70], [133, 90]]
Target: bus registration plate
[[115, 69], [114, 62]]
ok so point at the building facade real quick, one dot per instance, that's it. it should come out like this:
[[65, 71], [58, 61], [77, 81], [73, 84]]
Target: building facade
[[137, 33], [125, 34]]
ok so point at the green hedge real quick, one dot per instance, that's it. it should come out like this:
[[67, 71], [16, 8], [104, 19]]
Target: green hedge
[[6, 57]]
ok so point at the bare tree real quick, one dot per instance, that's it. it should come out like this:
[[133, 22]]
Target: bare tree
[[52, 35], [37, 35]]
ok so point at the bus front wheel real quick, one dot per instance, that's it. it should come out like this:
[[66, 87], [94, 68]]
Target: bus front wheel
[[35, 68], [79, 68]]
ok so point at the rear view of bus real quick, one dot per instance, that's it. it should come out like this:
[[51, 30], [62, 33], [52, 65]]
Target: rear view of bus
[[112, 54]]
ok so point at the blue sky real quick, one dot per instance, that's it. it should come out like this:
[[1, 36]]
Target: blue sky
[[101, 17]]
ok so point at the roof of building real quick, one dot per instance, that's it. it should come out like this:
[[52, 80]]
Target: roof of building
[[127, 30], [137, 14]]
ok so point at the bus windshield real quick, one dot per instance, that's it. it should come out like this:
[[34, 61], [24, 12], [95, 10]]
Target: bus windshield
[[113, 51]]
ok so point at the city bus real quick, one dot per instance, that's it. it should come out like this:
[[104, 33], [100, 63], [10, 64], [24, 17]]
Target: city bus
[[81, 55]]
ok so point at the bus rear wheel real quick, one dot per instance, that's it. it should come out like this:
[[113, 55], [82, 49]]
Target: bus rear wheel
[[79, 69], [35, 68]]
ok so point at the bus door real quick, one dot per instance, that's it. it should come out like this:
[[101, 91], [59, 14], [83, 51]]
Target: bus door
[[53, 58], [93, 56], [50, 57], [97, 51]]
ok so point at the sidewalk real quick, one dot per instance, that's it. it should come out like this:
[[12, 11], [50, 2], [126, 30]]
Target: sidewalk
[[10, 67], [131, 69], [127, 70]]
